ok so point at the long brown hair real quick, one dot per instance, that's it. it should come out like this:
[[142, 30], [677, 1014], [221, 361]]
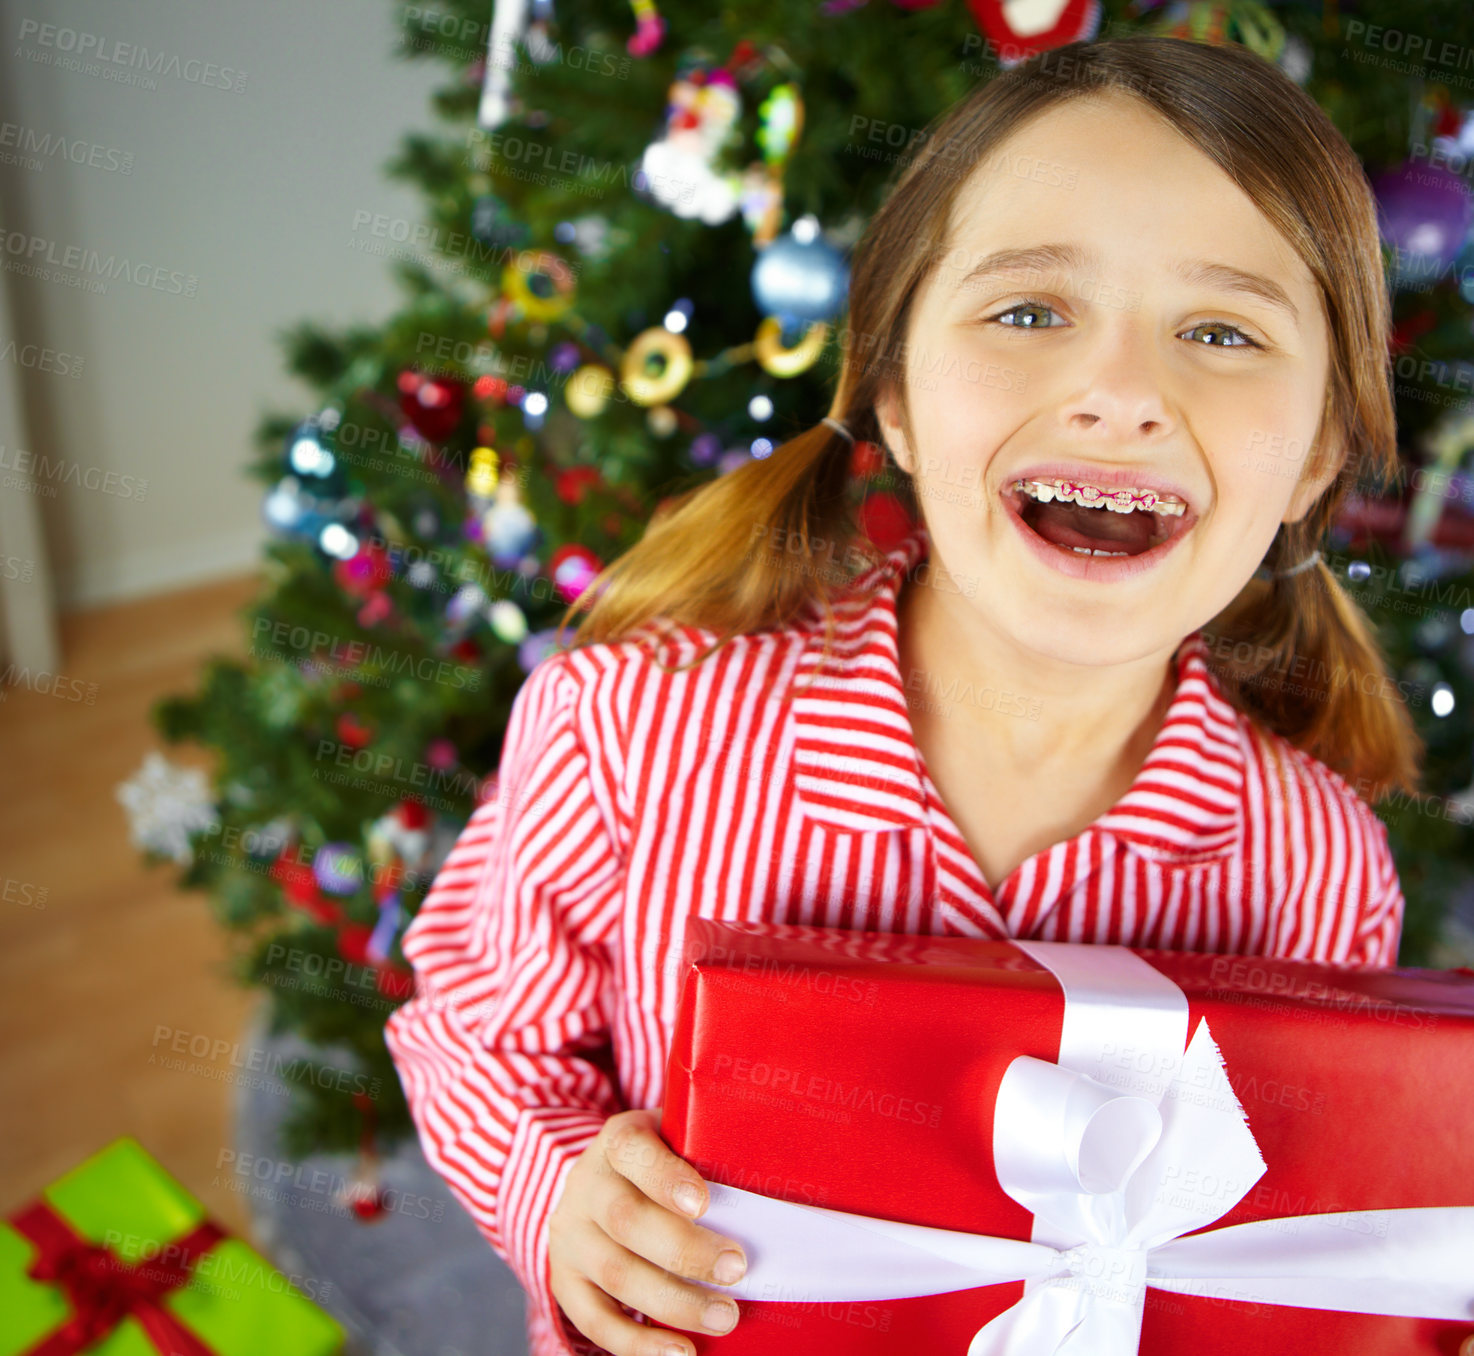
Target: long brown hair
[[755, 547]]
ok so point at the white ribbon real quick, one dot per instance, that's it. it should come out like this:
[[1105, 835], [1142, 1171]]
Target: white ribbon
[[1122, 1147]]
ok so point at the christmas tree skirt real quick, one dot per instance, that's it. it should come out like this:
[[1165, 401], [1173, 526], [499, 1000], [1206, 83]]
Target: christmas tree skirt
[[419, 1280]]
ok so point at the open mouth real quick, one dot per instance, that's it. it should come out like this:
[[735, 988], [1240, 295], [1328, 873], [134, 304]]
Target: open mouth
[[1091, 523]]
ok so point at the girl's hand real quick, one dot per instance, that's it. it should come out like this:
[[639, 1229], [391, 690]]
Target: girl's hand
[[622, 1230]]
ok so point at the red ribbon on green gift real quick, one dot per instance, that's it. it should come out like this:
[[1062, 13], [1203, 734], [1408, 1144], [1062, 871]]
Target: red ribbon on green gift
[[104, 1289]]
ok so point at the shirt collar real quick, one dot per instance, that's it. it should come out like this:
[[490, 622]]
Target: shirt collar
[[855, 760]]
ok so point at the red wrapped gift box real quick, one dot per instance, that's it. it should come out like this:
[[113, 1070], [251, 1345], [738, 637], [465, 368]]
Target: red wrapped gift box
[[857, 1074]]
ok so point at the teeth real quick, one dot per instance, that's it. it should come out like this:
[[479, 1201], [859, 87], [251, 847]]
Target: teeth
[[1117, 501], [1086, 551]]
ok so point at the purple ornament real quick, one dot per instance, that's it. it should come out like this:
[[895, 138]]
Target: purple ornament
[[467, 602], [536, 647], [337, 868], [1424, 212], [564, 356], [705, 449]]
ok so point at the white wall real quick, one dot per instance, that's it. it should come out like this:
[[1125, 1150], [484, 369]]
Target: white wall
[[251, 192]]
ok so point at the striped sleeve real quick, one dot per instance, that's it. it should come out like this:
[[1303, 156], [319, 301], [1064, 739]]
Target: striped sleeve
[[498, 1050], [1379, 929]]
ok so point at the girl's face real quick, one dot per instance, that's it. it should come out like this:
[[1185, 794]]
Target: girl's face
[[1181, 347]]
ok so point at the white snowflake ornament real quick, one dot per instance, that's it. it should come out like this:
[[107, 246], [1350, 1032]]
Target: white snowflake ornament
[[165, 804]]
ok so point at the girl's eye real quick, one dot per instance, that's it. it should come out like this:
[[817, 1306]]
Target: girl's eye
[[1230, 329], [1240, 339], [1029, 305]]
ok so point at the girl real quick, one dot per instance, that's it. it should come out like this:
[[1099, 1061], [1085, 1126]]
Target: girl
[[1141, 272]]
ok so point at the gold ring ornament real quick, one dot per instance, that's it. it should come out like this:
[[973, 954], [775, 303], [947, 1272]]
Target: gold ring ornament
[[788, 362], [542, 285], [670, 355], [589, 389]]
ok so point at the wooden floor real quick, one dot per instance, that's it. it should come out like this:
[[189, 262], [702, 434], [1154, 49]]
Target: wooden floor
[[117, 952]]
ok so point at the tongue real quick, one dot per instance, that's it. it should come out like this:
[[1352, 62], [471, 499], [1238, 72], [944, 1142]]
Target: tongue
[[1098, 529]]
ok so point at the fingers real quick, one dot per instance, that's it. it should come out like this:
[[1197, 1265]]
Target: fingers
[[613, 1272], [636, 1151], [624, 1233], [600, 1319], [631, 1219]]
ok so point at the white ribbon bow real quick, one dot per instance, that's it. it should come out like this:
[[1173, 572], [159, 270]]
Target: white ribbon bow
[[1114, 1179]]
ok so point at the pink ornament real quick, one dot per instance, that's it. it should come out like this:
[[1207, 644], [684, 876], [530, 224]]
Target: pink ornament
[[573, 568], [377, 609], [365, 572], [648, 35]]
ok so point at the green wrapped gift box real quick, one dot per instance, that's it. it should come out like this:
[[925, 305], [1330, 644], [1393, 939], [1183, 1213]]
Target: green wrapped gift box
[[136, 1267]]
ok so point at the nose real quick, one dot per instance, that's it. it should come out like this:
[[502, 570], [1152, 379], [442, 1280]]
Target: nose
[[1118, 391]]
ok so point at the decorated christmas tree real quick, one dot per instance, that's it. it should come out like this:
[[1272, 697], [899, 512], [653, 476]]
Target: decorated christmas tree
[[630, 278]]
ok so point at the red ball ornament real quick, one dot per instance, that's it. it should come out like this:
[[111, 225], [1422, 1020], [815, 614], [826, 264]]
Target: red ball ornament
[[883, 518], [490, 388], [367, 1200], [353, 940], [571, 485], [1406, 332], [395, 982], [432, 405], [1448, 121], [392, 979], [301, 890], [295, 878], [352, 731], [1053, 24], [866, 459]]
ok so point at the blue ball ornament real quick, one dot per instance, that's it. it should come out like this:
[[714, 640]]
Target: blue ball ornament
[[310, 457], [511, 532], [293, 513], [800, 278]]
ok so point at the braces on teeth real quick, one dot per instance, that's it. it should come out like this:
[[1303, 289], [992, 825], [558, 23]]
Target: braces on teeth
[[1117, 501]]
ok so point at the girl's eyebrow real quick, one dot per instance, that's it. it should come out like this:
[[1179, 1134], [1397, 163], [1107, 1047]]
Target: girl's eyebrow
[[1066, 257]]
